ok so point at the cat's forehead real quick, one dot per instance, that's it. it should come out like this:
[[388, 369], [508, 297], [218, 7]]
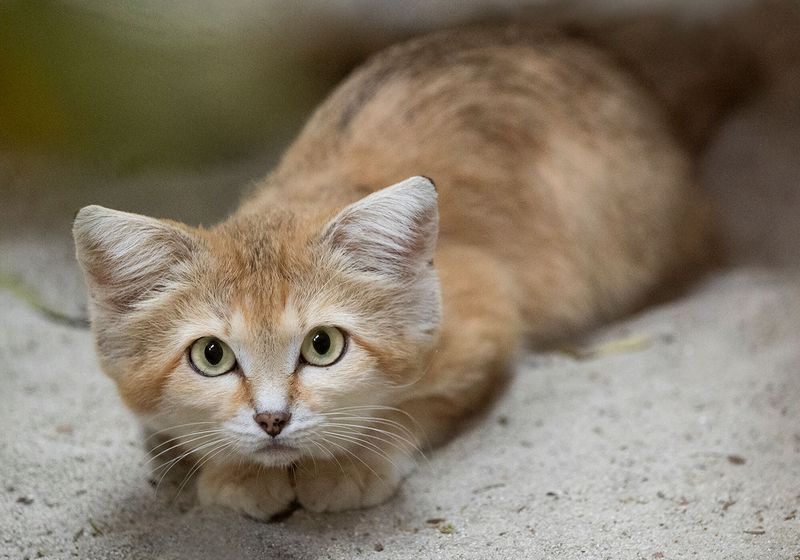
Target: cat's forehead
[[269, 268], [267, 248], [257, 242]]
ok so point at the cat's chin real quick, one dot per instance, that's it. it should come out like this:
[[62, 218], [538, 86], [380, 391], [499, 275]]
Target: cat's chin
[[276, 456]]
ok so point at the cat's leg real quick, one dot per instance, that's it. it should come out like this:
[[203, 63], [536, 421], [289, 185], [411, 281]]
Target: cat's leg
[[479, 336], [253, 490], [352, 479]]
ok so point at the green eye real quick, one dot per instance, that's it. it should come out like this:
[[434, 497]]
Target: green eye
[[322, 346], [211, 357]]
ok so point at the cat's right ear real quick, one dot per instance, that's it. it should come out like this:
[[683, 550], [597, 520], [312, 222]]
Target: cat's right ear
[[127, 258]]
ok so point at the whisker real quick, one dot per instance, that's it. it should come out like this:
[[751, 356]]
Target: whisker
[[376, 420], [364, 444], [202, 461], [381, 407], [378, 430], [370, 407], [189, 451], [331, 454], [178, 459], [151, 436], [375, 433], [301, 465], [304, 449], [412, 445], [194, 437], [351, 454], [374, 437]]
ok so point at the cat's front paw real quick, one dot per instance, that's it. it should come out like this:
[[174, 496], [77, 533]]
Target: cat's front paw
[[255, 491], [332, 486]]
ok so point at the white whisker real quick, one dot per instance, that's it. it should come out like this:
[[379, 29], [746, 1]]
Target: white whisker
[[351, 454], [380, 407], [178, 459], [364, 444], [359, 428], [398, 437], [331, 454], [151, 436], [376, 420], [193, 437], [202, 461]]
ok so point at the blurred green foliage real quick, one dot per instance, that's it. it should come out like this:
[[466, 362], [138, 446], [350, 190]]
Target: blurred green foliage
[[131, 86]]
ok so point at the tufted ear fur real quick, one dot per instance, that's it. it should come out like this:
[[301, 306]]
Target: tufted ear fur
[[392, 231], [128, 259]]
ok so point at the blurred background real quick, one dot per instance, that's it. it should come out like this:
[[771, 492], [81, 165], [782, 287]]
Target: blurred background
[[134, 86], [172, 108]]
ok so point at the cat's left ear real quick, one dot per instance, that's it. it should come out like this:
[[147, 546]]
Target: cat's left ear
[[392, 231]]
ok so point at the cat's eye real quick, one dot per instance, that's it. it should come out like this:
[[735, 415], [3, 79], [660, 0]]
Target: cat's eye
[[211, 357], [322, 346]]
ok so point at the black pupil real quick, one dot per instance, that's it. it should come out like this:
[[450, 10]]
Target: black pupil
[[321, 343], [214, 352]]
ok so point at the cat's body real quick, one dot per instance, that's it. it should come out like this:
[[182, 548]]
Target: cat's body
[[564, 198], [548, 159]]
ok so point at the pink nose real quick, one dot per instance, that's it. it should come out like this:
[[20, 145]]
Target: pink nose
[[272, 422]]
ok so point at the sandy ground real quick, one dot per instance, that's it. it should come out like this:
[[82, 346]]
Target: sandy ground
[[684, 442]]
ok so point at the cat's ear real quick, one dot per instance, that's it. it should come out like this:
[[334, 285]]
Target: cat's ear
[[390, 231], [127, 258]]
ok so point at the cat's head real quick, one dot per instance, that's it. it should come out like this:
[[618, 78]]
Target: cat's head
[[260, 336]]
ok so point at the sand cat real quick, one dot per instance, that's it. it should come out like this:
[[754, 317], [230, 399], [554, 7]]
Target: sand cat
[[458, 195]]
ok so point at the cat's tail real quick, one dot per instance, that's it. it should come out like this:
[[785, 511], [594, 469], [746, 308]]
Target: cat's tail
[[704, 69]]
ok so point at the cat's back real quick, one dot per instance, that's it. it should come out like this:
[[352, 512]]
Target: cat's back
[[507, 88], [545, 151]]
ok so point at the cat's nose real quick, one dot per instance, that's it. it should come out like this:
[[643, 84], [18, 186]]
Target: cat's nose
[[273, 422]]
